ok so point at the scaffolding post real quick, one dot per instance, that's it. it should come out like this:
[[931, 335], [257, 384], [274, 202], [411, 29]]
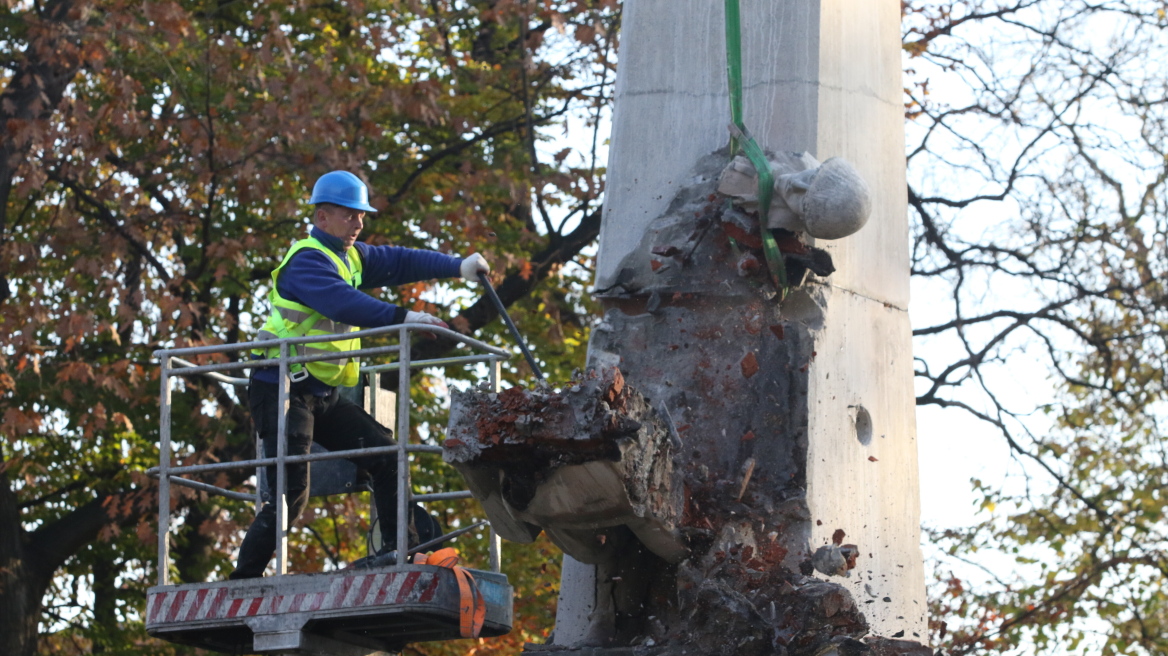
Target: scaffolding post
[[164, 474], [259, 477], [281, 500], [496, 543], [403, 438], [375, 542]]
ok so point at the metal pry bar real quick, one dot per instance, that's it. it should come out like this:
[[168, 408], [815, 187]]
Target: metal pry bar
[[511, 325]]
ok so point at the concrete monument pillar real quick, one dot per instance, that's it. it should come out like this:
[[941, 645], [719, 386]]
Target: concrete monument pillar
[[795, 420]]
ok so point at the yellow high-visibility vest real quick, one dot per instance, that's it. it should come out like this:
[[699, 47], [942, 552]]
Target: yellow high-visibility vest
[[289, 319]]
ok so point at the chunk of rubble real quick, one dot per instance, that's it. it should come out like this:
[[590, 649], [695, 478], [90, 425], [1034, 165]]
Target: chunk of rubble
[[572, 462], [835, 560], [879, 646]]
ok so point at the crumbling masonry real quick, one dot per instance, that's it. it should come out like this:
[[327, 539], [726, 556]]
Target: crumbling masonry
[[676, 464], [788, 425]]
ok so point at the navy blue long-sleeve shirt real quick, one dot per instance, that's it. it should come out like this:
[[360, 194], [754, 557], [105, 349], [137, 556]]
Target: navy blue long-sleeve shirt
[[311, 279]]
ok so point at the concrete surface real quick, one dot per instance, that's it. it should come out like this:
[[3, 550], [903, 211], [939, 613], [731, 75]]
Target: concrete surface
[[865, 351]]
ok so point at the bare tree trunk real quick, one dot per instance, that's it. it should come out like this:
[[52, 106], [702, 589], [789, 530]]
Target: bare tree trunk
[[20, 593], [105, 615], [29, 559]]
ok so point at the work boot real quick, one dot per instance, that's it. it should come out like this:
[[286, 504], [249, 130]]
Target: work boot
[[383, 558]]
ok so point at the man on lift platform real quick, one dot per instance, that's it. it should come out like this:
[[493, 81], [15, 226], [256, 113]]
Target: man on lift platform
[[316, 291]]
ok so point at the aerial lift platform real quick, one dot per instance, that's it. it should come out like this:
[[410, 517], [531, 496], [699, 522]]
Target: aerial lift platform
[[342, 613], [347, 612]]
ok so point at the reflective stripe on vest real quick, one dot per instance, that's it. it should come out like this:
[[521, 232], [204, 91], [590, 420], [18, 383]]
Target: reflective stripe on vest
[[290, 319]]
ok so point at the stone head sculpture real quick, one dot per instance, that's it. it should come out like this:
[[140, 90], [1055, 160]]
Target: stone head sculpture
[[826, 201]]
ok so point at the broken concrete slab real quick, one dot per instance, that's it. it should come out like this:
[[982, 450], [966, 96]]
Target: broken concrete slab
[[572, 462]]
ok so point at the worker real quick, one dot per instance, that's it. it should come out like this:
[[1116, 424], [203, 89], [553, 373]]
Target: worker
[[316, 291]]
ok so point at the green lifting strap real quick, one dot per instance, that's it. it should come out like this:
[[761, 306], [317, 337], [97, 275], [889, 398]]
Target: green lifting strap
[[741, 138]]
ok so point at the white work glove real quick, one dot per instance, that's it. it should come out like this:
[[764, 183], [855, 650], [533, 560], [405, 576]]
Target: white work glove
[[472, 266], [422, 317]]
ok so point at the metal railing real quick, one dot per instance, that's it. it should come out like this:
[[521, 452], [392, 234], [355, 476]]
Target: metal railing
[[167, 473]]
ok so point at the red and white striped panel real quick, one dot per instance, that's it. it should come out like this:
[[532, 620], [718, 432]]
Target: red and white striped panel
[[217, 601]]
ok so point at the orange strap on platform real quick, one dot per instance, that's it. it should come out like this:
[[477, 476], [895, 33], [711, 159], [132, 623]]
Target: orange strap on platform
[[472, 609]]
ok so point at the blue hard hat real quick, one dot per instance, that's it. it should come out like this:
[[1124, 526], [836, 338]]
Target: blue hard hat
[[342, 188]]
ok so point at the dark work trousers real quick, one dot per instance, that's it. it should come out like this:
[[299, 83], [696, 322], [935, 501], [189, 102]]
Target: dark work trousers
[[339, 425]]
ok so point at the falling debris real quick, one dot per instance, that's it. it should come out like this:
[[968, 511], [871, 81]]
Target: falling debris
[[850, 552], [829, 560]]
